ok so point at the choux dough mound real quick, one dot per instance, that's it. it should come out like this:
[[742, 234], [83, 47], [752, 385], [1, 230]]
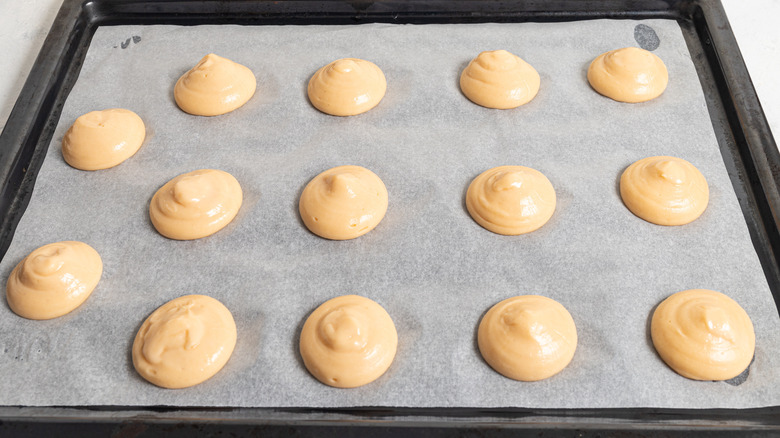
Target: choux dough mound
[[53, 280], [343, 203], [103, 139], [195, 204], [499, 79], [215, 86], [628, 75], [184, 342], [347, 87], [664, 190], [348, 341], [527, 338], [511, 200], [703, 335]]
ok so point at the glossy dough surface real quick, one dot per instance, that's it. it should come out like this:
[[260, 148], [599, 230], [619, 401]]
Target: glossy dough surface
[[195, 204], [53, 280], [184, 342], [103, 139], [511, 200], [664, 190], [215, 86], [343, 203], [499, 79], [703, 335], [528, 337], [348, 341], [628, 75], [347, 87]]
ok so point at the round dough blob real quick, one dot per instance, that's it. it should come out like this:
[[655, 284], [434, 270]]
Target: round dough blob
[[215, 86], [343, 203], [348, 341], [195, 204], [703, 335], [184, 342], [499, 79], [53, 280], [664, 190], [628, 75], [527, 338], [347, 87], [102, 139], [511, 200]]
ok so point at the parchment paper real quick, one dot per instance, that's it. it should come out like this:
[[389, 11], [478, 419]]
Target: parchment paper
[[428, 263]]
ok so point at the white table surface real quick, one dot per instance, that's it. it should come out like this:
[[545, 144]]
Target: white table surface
[[25, 24]]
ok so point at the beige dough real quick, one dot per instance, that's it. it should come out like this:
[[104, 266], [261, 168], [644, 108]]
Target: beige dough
[[347, 87], [628, 75], [511, 200], [103, 139], [184, 342], [215, 86], [343, 203], [499, 79], [527, 337], [703, 335], [195, 204], [348, 341], [53, 280], [664, 190]]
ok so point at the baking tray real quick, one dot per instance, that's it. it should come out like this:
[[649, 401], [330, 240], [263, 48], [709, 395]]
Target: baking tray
[[748, 149]]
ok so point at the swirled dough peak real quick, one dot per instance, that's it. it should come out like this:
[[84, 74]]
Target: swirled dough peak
[[511, 200], [703, 335], [527, 338], [53, 280], [215, 86], [348, 341], [343, 203], [628, 75], [664, 190], [195, 204], [103, 139], [184, 342], [347, 87], [499, 79]]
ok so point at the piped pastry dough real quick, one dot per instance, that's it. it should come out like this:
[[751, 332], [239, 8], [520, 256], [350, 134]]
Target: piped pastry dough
[[703, 335], [629, 75], [348, 341], [347, 87], [499, 79], [664, 190]]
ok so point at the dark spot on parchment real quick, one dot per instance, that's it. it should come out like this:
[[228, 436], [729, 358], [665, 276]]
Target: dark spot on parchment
[[135, 39], [740, 379], [646, 37]]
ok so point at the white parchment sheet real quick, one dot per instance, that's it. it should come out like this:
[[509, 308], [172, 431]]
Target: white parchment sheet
[[428, 263]]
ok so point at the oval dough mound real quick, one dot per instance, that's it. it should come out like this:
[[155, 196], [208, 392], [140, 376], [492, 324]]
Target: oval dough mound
[[102, 139], [184, 342], [215, 86], [348, 341], [664, 190], [703, 335], [499, 79], [53, 280], [343, 203], [628, 75], [511, 200], [347, 87], [195, 204], [527, 338]]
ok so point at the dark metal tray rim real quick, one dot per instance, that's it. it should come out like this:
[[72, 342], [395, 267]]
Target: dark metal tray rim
[[32, 122]]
